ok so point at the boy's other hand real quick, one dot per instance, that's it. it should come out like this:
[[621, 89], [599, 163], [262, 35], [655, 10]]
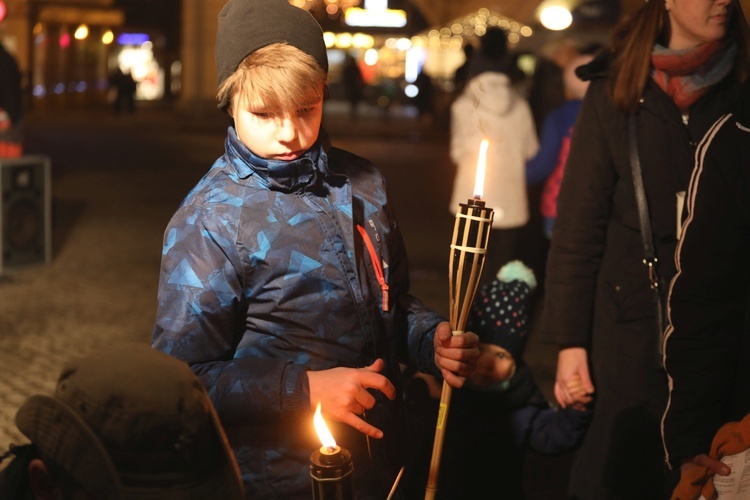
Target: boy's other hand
[[342, 393], [455, 355]]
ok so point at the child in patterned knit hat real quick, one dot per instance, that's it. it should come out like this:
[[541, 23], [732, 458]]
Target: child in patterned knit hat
[[503, 413], [499, 315]]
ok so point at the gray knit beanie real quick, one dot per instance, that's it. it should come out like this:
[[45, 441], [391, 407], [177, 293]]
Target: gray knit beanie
[[248, 25]]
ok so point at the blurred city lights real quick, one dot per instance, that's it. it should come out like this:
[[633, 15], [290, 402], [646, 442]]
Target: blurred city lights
[[64, 42], [413, 63], [375, 13], [81, 33], [411, 90], [362, 41], [555, 17], [389, 18], [108, 37], [132, 38], [371, 57], [344, 40]]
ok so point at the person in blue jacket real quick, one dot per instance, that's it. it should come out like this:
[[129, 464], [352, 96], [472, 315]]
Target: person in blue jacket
[[284, 279], [548, 164]]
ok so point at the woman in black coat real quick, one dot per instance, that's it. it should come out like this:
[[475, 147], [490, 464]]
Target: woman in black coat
[[675, 66]]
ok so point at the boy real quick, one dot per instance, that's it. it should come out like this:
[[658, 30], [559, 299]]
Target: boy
[[284, 279]]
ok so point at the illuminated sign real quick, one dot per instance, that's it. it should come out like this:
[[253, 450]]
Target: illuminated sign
[[375, 14], [389, 18], [132, 38]]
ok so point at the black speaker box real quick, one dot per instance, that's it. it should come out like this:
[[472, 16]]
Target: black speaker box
[[25, 212]]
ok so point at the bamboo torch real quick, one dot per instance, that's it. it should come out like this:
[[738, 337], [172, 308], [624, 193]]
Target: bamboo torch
[[471, 233]]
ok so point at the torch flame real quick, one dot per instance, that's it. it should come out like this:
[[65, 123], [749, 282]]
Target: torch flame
[[325, 436], [481, 167]]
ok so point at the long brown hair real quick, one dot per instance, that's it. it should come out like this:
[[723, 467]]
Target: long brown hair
[[633, 41]]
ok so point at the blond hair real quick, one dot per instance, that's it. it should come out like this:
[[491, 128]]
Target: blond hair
[[277, 76]]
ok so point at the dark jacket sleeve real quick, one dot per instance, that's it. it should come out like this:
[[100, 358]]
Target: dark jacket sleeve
[[709, 296], [549, 430], [584, 207], [539, 168], [200, 302]]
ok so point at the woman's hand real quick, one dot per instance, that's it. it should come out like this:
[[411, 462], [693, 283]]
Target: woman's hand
[[455, 355], [573, 383], [343, 396]]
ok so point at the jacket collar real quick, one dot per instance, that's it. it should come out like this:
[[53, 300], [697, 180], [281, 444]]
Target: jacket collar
[[286, 176], [596, 68]]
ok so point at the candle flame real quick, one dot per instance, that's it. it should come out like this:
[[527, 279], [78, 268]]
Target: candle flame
[[481, 168], [325, 436]]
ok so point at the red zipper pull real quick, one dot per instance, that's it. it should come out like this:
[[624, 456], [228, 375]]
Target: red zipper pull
[[377, 266]]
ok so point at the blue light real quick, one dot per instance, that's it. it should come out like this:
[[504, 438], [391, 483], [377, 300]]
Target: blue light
[[132, 38]]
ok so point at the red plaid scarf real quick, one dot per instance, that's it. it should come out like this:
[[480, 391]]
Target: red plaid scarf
[[686, 75]]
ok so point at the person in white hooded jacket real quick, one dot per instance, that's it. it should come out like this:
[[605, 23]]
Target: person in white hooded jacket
[[490, 108]]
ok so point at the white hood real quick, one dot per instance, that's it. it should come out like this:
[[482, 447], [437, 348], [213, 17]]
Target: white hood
[[492, 93]]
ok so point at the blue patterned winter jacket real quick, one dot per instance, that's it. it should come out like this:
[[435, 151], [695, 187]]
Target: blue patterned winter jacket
[[265, 276]]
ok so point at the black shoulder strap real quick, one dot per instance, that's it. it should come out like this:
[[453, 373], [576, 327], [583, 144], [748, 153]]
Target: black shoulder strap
[[640, 194], [648, 240]]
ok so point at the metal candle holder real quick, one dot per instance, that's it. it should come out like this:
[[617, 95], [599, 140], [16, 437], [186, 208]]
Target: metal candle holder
[[471, 233], [332, 474]]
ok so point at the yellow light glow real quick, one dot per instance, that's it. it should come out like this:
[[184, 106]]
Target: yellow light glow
[[403, 44], [481, 168], [389, 18], [329, 38], [325, 436], [362, 41], [82, 32], [108, 37], [343, 40], [555, 17], [371, 57]]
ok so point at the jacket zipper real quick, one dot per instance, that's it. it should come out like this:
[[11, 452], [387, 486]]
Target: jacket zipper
[[377, 266]]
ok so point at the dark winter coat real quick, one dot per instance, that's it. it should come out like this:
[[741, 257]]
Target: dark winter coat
[[597, 288], [264, 277], [707, 344]]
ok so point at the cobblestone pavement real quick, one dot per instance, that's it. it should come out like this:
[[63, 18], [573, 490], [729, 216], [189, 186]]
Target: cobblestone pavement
[[117, 180]]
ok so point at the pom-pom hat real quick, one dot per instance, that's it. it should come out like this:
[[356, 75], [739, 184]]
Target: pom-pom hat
[[499, 313], [248, 25], [130, 422]]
